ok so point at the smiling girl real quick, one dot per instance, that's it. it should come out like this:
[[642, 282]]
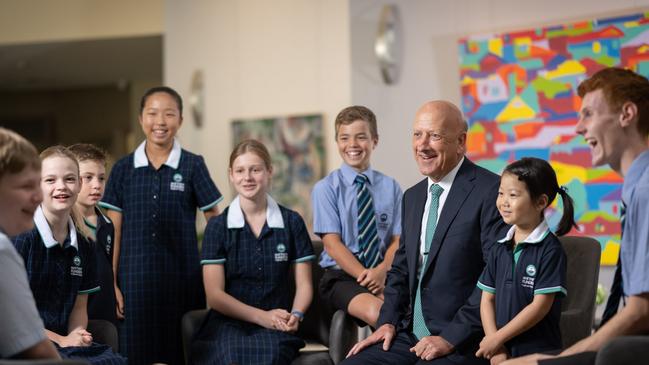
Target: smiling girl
[[60, 262], [249, 253], [152, 196], [525, 274]]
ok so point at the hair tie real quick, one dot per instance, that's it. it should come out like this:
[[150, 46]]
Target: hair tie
[[562, 188]]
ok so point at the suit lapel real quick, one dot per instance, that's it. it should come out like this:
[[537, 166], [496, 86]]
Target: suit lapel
[[414, 225], [460, 189]]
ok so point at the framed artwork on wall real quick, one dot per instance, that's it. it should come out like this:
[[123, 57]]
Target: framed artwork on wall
[[296, 146], [519, 94]]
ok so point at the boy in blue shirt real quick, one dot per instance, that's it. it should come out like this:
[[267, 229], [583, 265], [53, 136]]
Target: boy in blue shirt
[[357, 213]]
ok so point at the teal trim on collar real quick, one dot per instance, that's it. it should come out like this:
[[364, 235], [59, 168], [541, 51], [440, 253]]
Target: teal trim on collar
[[45, 231], [109, 206], [88, 224], [273, 214], [538, 234], [141, 160]]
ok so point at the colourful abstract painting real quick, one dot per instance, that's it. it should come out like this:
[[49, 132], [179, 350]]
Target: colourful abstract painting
[[296, 146], [519, 96]]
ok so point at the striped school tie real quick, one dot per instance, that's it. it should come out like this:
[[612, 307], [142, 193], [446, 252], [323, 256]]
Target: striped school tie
[[418, 322], [613, 302], [368, 237]]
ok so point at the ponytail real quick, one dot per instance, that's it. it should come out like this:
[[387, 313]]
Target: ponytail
[[568, 218]]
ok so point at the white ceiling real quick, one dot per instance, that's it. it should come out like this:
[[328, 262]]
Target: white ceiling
[[80, 64]]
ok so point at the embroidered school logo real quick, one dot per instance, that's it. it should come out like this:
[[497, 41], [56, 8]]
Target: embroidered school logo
[[109, 239], [531, 270], [383, 221], [76, 270], [177, 184], [281, 254]]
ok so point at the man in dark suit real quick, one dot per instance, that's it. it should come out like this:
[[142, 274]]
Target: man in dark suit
[[431, 311]]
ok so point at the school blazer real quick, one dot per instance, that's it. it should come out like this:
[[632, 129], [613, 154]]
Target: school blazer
[[468, 226]]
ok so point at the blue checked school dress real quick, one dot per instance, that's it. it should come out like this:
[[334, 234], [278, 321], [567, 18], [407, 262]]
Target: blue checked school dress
[[159, 271], [57, 275], [101, 305], [258, 273]]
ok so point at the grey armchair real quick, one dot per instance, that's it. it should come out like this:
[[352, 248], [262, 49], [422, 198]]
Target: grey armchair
[[329, 336], [578, 308]]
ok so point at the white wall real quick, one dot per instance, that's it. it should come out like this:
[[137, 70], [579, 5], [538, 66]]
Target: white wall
[[430, 57], [30, 21], [259, 58]]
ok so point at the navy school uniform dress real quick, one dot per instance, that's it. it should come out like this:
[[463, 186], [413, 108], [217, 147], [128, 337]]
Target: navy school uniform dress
[[257, 272], [57, 274], [101, 305], [515, 275], [159, 270]]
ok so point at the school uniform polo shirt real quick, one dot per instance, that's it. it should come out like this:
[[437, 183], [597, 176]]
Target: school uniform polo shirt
[[257, 269], [57, 273], [515, 275], [335, 209]]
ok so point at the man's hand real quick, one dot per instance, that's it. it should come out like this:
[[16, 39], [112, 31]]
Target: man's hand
[[385, 333], [373, 279], [432, 347]]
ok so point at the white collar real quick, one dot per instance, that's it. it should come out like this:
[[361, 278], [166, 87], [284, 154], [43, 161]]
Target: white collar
[[46, 232], [273, 214], [140, 159], [537, 235], [447, 180]]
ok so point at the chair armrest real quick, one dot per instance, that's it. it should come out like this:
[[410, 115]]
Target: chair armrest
[[574, 326], [189, 324], [343, 334], [625, 350], [104, 332]]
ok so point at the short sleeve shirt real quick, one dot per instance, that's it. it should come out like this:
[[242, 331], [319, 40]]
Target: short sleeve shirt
[[19, 315], [257, 268], [335, 208], [634, 249], [57, 273], [515, 275], [159, 206]]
